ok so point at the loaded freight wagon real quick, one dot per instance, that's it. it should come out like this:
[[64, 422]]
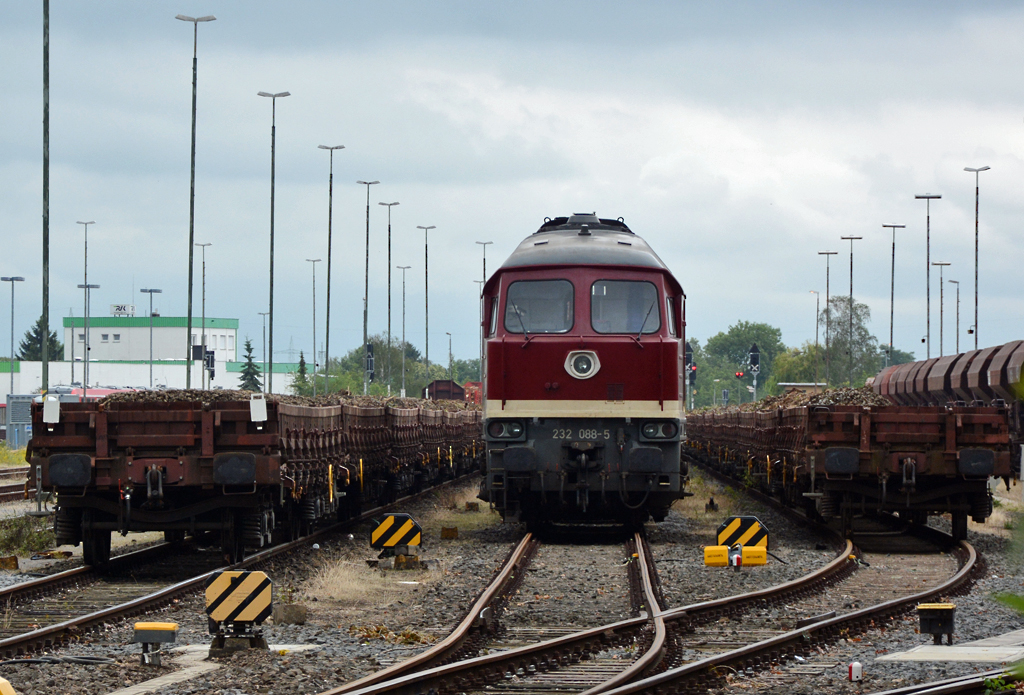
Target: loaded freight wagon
[[235, 465], [838, 461], [990, 376]]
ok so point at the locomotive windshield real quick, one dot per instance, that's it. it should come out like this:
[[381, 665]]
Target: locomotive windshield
[[624, 306], [539, 306]]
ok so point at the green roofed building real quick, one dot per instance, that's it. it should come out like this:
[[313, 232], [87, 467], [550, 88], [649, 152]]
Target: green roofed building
[[126, 338]]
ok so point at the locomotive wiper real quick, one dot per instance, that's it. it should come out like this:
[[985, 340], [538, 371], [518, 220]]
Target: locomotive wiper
[[520, 317], [644, 324]]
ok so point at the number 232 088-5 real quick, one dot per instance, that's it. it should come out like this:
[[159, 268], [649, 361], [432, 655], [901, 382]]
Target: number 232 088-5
[[581, 434]]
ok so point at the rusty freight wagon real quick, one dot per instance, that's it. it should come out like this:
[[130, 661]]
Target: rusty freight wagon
[[839, 461], [990, 376], [243, 471]]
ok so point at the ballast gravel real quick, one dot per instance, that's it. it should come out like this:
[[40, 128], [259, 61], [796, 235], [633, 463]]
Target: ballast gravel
[[374, 619], [978, 616]]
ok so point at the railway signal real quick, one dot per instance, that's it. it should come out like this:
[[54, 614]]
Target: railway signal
[[693, 374], [739, 375]]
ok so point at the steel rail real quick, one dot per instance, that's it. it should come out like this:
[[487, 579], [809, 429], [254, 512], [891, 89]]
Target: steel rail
[[709, 670], [13, 492], [60, 633], [970, 683], [549, 654], [654, 653], [448, 647]]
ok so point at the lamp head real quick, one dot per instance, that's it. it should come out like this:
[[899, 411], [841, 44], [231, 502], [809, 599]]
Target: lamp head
[[329, 147]]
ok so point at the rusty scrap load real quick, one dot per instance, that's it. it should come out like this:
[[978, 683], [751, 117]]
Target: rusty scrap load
[[228, 396], [840, 396]]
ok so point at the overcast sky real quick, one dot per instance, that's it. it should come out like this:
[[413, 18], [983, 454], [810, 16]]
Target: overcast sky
[[739, 139]]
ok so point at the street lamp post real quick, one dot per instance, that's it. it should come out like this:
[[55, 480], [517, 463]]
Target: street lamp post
[[273, 163], [192, 184], [849, 347], [88, 346], [403, 268], [85, 287], [480, 362], [264, 314], [330, 216], [892, 287], [389, 206], [976, 196], [828, 316], [202, 339], [483, 247], [817, 357], [151, 293], [13, 280], [426, 297], [941, 265], [928, 198], [366, 292], [449, 359], [313, 262], [957, 283]]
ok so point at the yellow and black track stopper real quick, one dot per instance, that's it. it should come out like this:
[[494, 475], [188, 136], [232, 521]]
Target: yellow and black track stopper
[[6, 688], [237, 602], [151, 636], [743, 530], [396, 530]]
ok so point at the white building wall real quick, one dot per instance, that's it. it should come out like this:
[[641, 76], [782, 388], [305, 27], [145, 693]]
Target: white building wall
[[132, 343], [106, 375]]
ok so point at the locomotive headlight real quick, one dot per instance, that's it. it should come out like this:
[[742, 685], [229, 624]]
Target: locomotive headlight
[[659, 430], [505, 429], [582, 364]]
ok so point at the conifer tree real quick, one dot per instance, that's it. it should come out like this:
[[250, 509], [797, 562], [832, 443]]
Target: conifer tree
[[250, 379], [31, 347]]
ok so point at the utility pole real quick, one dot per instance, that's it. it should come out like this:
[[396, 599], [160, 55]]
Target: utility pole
[[928, 198], [851, 239], [892, 288], [366, 293], [828, 317]]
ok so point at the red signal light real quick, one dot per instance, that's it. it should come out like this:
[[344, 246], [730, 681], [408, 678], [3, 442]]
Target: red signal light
[[739, 375]]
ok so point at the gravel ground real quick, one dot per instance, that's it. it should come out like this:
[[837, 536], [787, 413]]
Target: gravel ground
[[979, 616], [678, 545], [361, 619], [572, 586]]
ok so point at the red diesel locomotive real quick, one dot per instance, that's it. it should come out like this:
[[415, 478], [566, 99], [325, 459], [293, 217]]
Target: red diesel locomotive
[[583, 392]]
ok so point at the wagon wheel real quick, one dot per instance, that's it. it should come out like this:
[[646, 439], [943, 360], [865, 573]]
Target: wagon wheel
[[95, 543]]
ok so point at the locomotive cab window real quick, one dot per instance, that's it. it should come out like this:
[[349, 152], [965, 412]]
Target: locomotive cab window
[[494, 317], [539, 306], [624, 306], [670, 315]]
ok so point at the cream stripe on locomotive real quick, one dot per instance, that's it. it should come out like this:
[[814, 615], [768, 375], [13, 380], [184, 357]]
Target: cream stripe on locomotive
[[651, 409]]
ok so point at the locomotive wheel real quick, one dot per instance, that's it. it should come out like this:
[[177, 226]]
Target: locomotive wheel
[[95, 547], [175, 536], [959, 526], [231, 541]]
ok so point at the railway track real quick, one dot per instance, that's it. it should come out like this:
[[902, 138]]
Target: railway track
[[694, 647], [10, 492], [51, 611], [589, 661]]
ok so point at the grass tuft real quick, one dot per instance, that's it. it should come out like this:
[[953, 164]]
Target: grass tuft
[[11, 458], [23, 535]]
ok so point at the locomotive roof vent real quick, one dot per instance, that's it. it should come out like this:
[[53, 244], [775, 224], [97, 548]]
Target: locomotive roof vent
[[585, 220]]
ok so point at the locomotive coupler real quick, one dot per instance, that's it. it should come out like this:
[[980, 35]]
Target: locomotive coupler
[[154, 483], [582, 486], [909, 477]]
